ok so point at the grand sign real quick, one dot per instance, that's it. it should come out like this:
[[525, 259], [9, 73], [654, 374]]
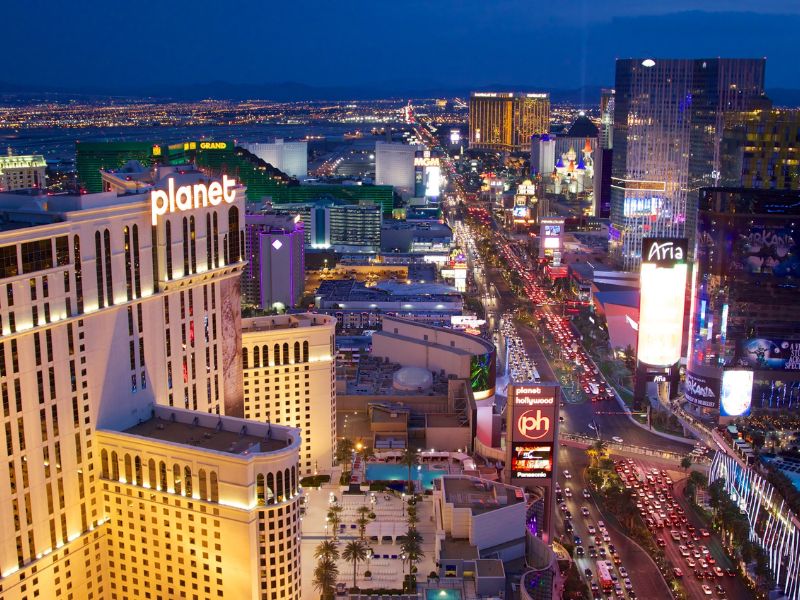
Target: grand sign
[[188, 197]]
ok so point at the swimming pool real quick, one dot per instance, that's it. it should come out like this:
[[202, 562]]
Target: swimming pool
[[386, 472], [449, 594]]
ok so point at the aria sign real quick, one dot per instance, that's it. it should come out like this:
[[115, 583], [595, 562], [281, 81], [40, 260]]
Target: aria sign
[[187, 197], [664, 252]]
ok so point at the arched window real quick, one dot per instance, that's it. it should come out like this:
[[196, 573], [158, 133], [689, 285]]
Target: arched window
[[187, 476], [225, 249], [137, 470], [176, 478], [305, 351], [193, 244], [256, 359], [260, 495], [185, 246], [137, 273], [294, 481], [264, 356], [271, 488], [128, 469], [279, 486], [297, 352], [162, 476], [233, 234], [168, 249], [151, 474], [216, 241], [285, 357], [76, 254], [203, 483], [287, 485], [276, 354], [244, 358], [98, 264], [114, 466], [214, 487], [109, 276], [126, 233], [104, 463], [209, 264]]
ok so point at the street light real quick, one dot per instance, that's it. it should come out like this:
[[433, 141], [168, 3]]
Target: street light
[[404, 505]]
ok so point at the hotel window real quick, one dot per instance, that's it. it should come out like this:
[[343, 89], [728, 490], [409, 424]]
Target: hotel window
[[37, 256], [76, 254], [256, 360], [8, 262], [193, 247], [137, 275], [216, 240], [98, 261], [109, 280], [168, 249], [154, 255], [128, 276], [185, 246]]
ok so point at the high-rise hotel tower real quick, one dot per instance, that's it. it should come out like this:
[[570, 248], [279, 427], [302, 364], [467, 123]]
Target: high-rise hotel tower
[[124, 475], [505, 121]]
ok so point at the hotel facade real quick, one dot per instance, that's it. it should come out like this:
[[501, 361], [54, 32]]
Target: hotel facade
[[119, 355]]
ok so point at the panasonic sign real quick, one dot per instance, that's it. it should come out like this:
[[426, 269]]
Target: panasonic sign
[[188, 197]]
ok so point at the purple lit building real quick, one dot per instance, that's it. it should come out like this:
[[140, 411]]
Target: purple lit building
[[275, 271]]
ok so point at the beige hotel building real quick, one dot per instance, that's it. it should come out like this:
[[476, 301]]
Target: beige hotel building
[[129, 471]]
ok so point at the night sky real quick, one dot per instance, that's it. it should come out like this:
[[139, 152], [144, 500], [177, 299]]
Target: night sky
[[418, 43]]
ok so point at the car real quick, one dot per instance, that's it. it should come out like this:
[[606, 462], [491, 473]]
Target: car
[[568, 527], [586, 494], [628, 584], [623, 572], [698, 573], [711, 560], [577, 540], [704, 550], [730, 573], [567, 475], [677, 572], [704, 533], [591, 529], [606, 537], [563, 507], [601, 525], [719, 572], [616, 439], [592, 552], [587, 572], [594, 586], [691, 563], [584, 511], [612, 550], [660, 542], [675, 535], [703, 564], [568, 492], [579, 550], [617, 560], [602, 552]]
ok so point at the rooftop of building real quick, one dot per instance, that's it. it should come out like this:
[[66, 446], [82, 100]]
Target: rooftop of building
[[489, 567], [456, 549], [273, 222], [216, 433], [582, 127], [443, 420], [373, 376], [468, 338], [479, 495], [291, 321], [350, 290]]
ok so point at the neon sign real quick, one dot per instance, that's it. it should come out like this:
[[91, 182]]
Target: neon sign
[[187, 197]]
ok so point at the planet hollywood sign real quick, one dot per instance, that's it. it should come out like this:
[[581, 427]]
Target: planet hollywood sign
[[188, 197], [533, 396]]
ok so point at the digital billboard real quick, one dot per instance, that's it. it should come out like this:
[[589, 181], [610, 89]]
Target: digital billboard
[[762, 250], [552, 230], [531, 461], [767, 354], [662, 295], [701, 390], [534, 412], [736, 394], [482, 374]]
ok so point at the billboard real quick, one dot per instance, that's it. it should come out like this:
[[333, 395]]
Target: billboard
[[767, 354], [531, 461], [701, 390], [482, 374], [736, 394], [767, 251], [662, 283], [533, 412]]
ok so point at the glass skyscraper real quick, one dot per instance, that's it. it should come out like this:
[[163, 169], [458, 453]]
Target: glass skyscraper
[[668, 123]]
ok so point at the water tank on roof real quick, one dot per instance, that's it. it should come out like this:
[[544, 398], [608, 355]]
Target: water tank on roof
[[412, 379]]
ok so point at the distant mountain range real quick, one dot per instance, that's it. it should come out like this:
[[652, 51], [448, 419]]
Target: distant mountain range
[[294, 91]]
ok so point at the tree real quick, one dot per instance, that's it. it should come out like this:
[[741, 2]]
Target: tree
[[412, 518], [362, 522], [355, 552], [325, 575], [335, 518], [409, 458], [344, 451], [326, 550], [411, 549], [686, 462]]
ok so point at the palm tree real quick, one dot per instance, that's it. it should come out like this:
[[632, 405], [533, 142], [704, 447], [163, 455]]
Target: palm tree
[[325, 575], [355, 552], [686, 462], [335, 518], [362, 522], [412, 518], [412, 549], [344, 451], [410, 458], [326, 550]]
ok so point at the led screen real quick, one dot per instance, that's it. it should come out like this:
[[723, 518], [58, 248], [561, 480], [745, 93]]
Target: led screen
[[531, 461], [736, 394]]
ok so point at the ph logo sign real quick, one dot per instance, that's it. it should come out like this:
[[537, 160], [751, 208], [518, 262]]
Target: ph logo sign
[[533, 425]]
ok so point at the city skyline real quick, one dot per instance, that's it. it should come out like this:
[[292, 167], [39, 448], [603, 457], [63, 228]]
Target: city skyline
[[582, 44]]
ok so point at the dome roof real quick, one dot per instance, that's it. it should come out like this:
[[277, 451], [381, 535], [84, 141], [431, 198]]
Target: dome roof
[[412, 379], [583, 127]]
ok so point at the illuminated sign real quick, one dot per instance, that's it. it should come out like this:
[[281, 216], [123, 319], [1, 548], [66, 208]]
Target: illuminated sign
[[427, 161], [701, 390], [662, 299], [552, 230], [643, 186], [536, 95], [213, 145], [188, 197], [520, 212], [664, 251], [533, 425], [531, 461], [552, 243], [736, 394]]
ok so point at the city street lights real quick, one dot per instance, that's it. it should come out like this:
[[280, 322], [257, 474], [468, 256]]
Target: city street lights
[[404, 505]]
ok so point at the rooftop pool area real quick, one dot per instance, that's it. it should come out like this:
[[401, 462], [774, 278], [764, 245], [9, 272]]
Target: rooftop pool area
[[448, 594], [422, 473]]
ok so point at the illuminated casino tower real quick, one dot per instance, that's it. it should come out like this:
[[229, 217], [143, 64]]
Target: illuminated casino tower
[[124, 474]]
